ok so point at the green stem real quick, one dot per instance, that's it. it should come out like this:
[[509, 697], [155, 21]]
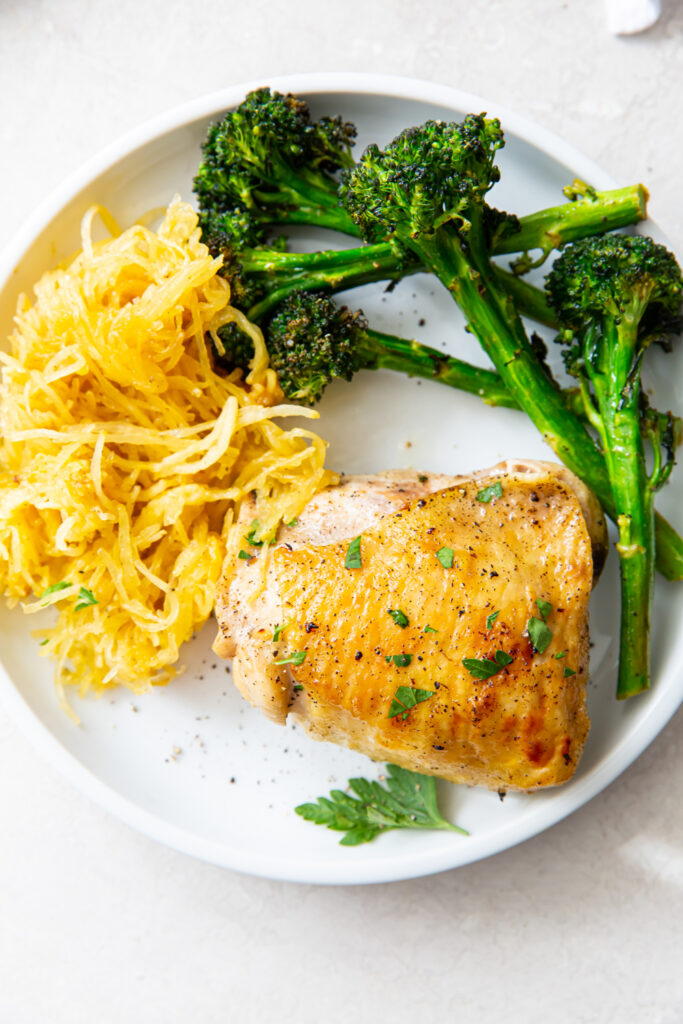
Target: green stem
[[593, 213], [384, 351], [329, 271], [299, 199], [609, 352], [493, 319], [333, 270]]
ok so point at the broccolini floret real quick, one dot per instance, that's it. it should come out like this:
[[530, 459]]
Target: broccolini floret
[[615, 296], [268, 161]]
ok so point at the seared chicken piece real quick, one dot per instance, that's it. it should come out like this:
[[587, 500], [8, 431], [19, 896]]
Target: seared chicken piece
[[410, 694]]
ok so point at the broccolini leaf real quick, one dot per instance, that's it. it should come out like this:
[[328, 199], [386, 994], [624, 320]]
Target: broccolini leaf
[[408, 801]]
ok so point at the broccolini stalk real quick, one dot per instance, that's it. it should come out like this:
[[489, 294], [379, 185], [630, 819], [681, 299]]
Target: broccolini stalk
[[261, 277], [588, 213], [615, 295]]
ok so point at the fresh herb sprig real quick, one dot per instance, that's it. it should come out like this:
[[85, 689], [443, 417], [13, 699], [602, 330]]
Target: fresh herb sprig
[[407, 801]]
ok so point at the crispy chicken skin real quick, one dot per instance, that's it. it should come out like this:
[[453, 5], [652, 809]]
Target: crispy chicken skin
[[524, 727]]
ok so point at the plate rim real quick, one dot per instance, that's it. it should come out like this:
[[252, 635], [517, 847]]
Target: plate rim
[[399, 866]]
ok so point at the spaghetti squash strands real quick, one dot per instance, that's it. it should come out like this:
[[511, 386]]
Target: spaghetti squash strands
[[124, 456]]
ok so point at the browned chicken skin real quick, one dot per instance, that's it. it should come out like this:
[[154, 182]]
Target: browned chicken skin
[[522, 728]]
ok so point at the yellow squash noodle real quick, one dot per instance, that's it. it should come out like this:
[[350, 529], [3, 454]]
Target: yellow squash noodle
[[124, 455]]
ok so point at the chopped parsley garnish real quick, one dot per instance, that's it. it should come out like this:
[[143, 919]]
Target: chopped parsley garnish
[[560, 654], [484, 668], [295, 658], [492, 491], [539, 634], [352, 560], [422, 478], [253, 536], [45, 641], [279, 631], [293, 522], [491, 619], [568, 671], [407, 801], [297, 687], [405, 698], [401, 660], [86, 598], [429, 629], [445, 556], [544, 608], [55, 588], [399, 617], [244, 555]]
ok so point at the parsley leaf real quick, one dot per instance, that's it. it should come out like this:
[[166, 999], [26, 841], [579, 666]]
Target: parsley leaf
[[544, 608], [401, 660], [429, 629], [484, 668], [352, 560], [539, 634], [407, 801], [86, 598], [55, 588], [293, 522], [491, 619], [492, 491], [279, 631], [445, 556], [45, 641], [244, 555], [399, 617], [405, 698], [295, 658], [251, 537], [560, 654], [568, 671], [297, 687]]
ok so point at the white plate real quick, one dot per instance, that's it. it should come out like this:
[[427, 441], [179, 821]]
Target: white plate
[[229, 796]]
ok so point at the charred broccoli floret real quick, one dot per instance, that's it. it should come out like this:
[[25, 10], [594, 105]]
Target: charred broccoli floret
[[270, 159], [312, 341]]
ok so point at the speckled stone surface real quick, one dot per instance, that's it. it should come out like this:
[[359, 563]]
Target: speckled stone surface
[[581, 924]]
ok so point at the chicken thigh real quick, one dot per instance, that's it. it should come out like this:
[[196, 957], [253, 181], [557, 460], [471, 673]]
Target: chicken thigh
[[458, 647]]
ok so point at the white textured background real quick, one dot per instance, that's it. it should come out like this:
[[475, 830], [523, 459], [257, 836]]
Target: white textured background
[[580, 925]]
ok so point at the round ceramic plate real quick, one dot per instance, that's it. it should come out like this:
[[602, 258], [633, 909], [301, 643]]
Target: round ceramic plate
[[194, 766]]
